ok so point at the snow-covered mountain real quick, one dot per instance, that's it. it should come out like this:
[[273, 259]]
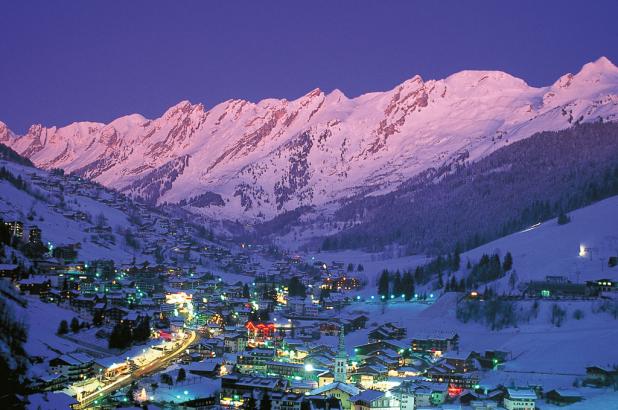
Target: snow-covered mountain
[[252, 161]]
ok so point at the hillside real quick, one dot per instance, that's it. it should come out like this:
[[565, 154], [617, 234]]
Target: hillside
[[516, 186], [254, 161], [99, 223]]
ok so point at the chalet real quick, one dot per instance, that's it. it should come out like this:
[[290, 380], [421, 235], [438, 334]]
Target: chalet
[[387, 331], [602, 285], [84, 302], [10, 271], [354, 322], [238, 385], [75, 366], [320, 403], [368, 375], [371, 349], [208, 368], [254, 360], [461, 362], [325, 378], [436, 343], [116, 313], [67, 253], [35, 285], [329, 328], [374, 400], [520, 399], [234, 342], [338, 390], [447, 374], [420, 393], [302, 307], [286, 370], [563, 397], [483, 405], [600, 376], [551, 288]]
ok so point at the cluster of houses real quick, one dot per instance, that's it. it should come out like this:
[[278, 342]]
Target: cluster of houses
[[392, 371]]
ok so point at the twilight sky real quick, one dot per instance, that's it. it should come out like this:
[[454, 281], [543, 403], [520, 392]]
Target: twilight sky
[[64, 61]]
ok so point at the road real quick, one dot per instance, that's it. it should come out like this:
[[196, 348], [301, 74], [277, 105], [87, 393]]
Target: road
[[138, 373]]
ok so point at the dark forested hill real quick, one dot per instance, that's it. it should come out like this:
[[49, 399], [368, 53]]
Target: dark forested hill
[[516, 186]]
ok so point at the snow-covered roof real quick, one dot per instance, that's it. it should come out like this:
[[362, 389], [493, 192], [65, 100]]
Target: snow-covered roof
[[347, 388]]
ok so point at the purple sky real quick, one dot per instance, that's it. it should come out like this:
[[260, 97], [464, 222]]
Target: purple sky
[[64, 61]]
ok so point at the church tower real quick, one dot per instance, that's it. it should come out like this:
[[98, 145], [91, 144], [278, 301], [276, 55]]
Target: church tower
[[341, 360]]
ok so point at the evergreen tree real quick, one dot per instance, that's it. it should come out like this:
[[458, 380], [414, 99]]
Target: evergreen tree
[[397, 285], [74, 325], [563, 218], [63, 328], [383, 284], [245, 291], [296, 287], [97, 318], [508, 262], [182, 375], [360, 268], [167, 379], [408, 285]]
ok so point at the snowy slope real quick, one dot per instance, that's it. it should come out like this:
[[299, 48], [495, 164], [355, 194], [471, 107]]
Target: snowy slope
[[51, 203], [541, 250], [255, 160], [552, 249]]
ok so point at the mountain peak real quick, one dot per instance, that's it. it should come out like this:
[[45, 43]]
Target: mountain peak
[[182, 106], [600, 65]]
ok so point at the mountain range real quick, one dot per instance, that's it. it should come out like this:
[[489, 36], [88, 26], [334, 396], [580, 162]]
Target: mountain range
[[252, 162]]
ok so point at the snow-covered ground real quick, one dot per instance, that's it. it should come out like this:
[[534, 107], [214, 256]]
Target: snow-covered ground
[[552, 249], [541, 352]]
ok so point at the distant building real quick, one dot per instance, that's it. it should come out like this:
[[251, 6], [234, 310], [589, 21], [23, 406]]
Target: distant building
[[16, 228], [600, 376], [437, 343], [374, 400], [563, 397], [602, 285], [520, 399], [34, 235], [341, 391]]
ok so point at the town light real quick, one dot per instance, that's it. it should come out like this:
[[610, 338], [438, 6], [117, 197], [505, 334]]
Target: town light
[[583, 251], [309, 367]]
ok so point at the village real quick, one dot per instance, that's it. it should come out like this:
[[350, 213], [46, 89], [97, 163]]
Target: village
[[258, 340]]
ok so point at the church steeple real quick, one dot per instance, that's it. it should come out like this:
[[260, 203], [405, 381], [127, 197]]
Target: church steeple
[[341, 360]]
